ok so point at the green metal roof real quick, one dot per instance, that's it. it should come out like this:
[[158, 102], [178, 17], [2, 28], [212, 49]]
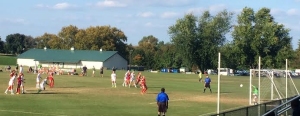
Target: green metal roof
[[70, 56]]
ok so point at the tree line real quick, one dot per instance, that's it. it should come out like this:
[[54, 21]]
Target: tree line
[[195, 42]]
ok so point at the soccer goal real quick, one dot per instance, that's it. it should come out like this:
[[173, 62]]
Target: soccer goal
[[272, 84]]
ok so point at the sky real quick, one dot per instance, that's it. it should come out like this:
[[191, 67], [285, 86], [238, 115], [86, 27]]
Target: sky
[[136, 18]]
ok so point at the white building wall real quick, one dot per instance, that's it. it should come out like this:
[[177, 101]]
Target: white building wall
[[116, 61], [26, 62], [90, 64]]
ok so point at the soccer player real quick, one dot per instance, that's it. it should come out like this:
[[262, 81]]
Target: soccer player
[[200, 76], [22, 81], [101, 72], [255, 93], [113, 79], [125, 78], [207, 82], [162, 102], [11, 84], [139, 79], [51, 80], [42, 85], [132, 79], [94, 71], [18, 84], [38, 79], [143, 85], [21, 69]]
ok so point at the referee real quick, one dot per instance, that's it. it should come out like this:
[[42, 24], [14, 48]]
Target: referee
[[162, 102]]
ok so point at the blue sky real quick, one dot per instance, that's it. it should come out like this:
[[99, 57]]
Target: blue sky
[[137, 18]]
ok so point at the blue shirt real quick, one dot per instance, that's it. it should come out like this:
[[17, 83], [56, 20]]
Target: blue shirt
[[162, 97], [207, 80]]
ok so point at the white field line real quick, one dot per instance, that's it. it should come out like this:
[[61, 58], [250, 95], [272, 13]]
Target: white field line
[[30, 112]]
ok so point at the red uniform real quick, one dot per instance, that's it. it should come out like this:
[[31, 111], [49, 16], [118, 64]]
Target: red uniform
[[128, 78], [19, 82], [143, 85], [51, 79]]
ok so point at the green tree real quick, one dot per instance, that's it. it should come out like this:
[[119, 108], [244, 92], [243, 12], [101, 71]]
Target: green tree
[[198, 40], [15, 43], [149, 46], [2, 46], [47, 40], [67, 34], [257, 34]]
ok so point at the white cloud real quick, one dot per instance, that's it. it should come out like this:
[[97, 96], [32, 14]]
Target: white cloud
[[63, 6], [58, 6], [293, 12], [146, 14], [169, 15], [110, 3]]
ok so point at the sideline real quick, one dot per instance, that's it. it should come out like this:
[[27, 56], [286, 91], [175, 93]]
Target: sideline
[[30, 113]]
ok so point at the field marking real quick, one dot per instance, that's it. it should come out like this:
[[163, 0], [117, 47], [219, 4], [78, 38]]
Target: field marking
[[29, 112]]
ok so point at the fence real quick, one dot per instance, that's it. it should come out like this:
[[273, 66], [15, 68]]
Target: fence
[[285, 107], [255, 110]]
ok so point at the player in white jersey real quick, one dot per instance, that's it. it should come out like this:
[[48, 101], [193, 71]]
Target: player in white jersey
[[38, 79], [11, 84], [132, 79], [42, 85], [113, 79], [21, 69]]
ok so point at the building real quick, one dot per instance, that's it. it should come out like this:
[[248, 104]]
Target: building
[[72, 58]]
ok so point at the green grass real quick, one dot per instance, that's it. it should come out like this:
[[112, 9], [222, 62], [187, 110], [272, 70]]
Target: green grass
[[8, 60], [93, 96]]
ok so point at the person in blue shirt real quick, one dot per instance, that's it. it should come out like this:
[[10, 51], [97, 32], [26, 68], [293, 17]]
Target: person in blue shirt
[[207, 82], [162, 102]]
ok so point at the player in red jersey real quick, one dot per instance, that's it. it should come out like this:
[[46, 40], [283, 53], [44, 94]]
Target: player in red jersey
[[138, 79], [143, 85], [51, 80], [19, 82], [128, 78]]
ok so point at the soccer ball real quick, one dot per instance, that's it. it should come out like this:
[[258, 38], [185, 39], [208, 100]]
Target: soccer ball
[[241, 85]]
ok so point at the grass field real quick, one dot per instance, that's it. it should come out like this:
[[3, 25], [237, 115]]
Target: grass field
[[8, 60], [93, 96]]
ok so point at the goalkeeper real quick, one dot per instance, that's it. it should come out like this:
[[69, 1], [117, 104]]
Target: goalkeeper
[[255, 93]]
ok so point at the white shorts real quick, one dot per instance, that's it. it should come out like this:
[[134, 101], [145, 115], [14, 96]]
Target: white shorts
[[132, 79], [42, 86], [10, 83], [93, 72], [113, 79]]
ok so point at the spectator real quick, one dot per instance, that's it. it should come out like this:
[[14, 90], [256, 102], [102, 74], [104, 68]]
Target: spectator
[[84, 71]]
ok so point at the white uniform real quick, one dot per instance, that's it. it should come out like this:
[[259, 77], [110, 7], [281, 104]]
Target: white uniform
[[43, 83], [38, 77], [12, 80], [21, 69], [132, 77], [113, 77]]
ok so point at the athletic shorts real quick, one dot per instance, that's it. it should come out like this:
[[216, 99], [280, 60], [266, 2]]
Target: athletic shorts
[[162, 107], [101, 72], [207, 85]]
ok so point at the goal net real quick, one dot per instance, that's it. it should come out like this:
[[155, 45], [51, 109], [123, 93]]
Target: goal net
[[273, 85]]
